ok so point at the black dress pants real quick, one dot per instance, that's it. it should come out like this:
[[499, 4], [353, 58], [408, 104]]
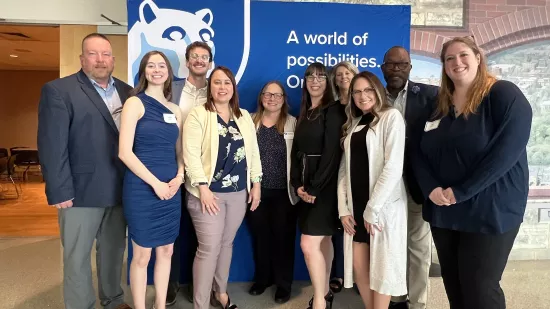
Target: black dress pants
[[187, 231], [472, 265], [273, 229]]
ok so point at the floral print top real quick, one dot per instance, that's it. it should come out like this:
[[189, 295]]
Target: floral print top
[[230, 171]]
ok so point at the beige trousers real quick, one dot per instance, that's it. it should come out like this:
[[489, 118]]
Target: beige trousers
[[215, 235], [419, 257]]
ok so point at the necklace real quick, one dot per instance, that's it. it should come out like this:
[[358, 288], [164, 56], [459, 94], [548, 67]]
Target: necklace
[[456, 111]]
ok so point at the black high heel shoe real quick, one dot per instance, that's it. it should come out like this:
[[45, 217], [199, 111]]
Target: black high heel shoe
[[336, 285], [329, 298], [216, 303]]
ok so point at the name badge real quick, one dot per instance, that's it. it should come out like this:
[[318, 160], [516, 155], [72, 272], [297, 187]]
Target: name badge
[[431, 125], [170, 118], [289, 135]]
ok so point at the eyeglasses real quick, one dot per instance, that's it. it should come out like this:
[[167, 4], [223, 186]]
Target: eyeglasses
[[320, 78], [269, 95], [359, 92], [197, 56], [393, 65]]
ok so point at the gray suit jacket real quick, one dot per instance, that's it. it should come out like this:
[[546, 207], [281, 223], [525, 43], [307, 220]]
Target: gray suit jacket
[[78, 143], [177, 89]]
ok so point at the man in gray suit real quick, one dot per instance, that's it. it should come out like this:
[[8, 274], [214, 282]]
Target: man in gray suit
[[78, 121], [416, 102]]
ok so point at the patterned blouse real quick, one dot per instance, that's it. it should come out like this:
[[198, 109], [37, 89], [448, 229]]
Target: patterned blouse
[[230, 172], [272, 147]]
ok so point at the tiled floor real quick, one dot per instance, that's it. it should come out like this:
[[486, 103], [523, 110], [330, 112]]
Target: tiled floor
[[30, 278]]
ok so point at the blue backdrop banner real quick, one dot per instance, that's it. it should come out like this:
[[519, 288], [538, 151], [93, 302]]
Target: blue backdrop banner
[[262, 41]]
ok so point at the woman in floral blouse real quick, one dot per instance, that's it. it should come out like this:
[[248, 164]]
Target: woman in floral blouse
[[222, 162]]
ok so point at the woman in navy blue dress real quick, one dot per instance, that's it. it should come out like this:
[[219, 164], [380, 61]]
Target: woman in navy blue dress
[[150, 146]]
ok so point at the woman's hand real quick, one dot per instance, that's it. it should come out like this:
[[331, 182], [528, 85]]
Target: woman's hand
[[305, 196], [174, 185], [349, 224], [254, 196], [162, 190], [450, 195], [438, 198], [371, 228], [301, 192], [208, 201]]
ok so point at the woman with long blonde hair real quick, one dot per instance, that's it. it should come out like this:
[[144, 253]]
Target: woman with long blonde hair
[[472, 168], [341, 76], [372, 201]]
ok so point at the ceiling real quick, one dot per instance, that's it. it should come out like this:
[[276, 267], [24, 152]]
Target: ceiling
[[37, 47]]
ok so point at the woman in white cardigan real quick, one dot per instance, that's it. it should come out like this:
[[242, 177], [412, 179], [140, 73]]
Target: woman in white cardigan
[[273, 224], [372, 201]]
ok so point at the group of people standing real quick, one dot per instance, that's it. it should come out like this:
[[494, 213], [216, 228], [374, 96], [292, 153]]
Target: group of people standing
[[367, 172]]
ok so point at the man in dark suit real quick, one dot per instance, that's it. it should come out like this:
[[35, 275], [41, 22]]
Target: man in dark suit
[[416, 102], [78, 121]]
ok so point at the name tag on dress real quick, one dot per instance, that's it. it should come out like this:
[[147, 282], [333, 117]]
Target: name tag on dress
[[170, 118], [430, 125], [289, 135]]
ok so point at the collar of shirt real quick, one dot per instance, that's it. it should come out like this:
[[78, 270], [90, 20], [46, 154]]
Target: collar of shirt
[[191, 89], [400, 101], [110, 84], [401, 93]]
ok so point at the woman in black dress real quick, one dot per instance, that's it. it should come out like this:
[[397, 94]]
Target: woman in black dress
[[315, 157]]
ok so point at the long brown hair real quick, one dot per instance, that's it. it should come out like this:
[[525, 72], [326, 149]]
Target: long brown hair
[[352, 111], [478, 89], [142, 81], [280, 125], [233, 102], [328, 96]]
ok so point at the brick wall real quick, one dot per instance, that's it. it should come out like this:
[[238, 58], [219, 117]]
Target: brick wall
[[495, 24]]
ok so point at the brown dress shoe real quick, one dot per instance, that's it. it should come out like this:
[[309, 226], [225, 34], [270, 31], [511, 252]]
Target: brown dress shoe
[[123, 306]]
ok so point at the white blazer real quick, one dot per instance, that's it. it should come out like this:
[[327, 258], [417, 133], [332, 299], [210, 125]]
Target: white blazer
[[387, 205], [290, 125]]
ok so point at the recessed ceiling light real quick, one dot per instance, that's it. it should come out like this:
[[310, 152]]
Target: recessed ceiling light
[[14, 56]]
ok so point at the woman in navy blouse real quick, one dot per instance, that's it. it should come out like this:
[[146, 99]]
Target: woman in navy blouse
[[222, 161], [472, 168], [273, 224]]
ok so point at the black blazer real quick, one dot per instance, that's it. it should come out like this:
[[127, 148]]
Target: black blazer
[[421, 102], [78, 143]]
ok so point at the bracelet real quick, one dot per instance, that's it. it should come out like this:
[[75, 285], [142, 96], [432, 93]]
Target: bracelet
[[182, 177]]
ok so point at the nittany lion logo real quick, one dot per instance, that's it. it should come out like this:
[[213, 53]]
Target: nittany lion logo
[[169, 31]]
